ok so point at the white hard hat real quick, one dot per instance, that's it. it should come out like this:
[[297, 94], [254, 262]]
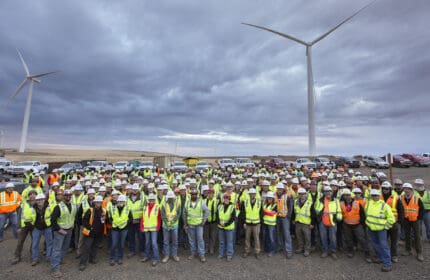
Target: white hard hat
[[10, 185], [357, 190], [151, 196], [407, 186], [270, 195], [280, 186], [252, 191], [266, 183], [78, 187], [398, 182], [40, 196], [346, 191], [151, 186], [386, 184], [145, 181], [295, 180], [91, 191], [124, 182], [87, 183], [121, 198], [117, 182], [55, 184], [204, 188], [170, 194], [333, 182], [301, 191], [98, 198], [341, 184], [102, 181], [128, 187], [135, 186], [288, 176], [327, 189], [419, 181], [115, 192], [375, 192], [182, 187], [102, 189]]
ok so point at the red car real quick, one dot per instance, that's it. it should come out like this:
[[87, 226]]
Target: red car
[[276, 162], [417, 160]]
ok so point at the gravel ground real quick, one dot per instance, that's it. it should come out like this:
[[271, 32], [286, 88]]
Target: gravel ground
[[276, 267]]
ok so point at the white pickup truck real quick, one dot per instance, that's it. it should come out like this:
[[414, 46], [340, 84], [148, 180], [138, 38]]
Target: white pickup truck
[[20, 168]]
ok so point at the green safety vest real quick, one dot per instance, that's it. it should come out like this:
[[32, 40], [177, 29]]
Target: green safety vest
[[47, 217], [379, 215], [252, 212], [150, 220], [135, 208], [85, 206], [77, 200], [120, 221], [27, 214], [269, 220], [212, 206], [67, 218], [28, 189], [194, 215], [171, 214], [224, 217], [426, 200], [303, 214]]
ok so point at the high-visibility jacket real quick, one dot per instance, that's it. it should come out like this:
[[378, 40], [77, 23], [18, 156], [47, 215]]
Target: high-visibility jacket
[[252, 212], [67, 218], [27, 214], [87, 231], [47, 217], [194, 214], [85, 205], [28, 189], [379, 215], [27, 178], [52, 178], [269, 215], [77, 200], [352, 217], [136, 208], [212, 205], [245, 196], [332, 212], [392, 202], [282, 204], [303, 214], [120, 221], [172, 214], [9, 202], [51, 196], [150, 218], [412, 208], [224, 216], [426, 200]]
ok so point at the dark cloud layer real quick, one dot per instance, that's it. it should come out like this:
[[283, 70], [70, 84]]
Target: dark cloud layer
[[160, 75]]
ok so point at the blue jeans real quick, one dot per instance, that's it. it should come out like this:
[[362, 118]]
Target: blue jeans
[[151, 243], [13, 219], [167, 235], [60, 245], [328, 238], [380, 246], [133, 230], [269, 238], [197, 243], [427, 223], [226, 239], [283, 235], [37, 234], [118, 242]]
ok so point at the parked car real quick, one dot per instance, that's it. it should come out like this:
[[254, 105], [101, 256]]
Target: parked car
[[305, 162], [202, 165], [417, 160], [97, 165], [426, 155], [226, 162], [4, 165], [351, 162], [374, 161], [71, 166], [146, 165], [399, 161], [21, 167], [244, 162], [324, 162], [276, 163], [178, 166], [123, 166]]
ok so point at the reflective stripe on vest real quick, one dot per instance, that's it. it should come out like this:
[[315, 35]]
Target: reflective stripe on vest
[[120, 220], [194, 215], [426, 200], [224, 217], [352, 217], [171, 213], [252, 212], [303, 214], [27, 215], [3, 201], [411, 209], [282, 206], [269, 220], [150, 220], [376, 222], [67, 218]]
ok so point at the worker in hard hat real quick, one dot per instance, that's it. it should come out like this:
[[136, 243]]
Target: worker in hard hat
[[304, 219], [151, 227], [210, 233], [269, 223], [284, 211], [42, 227], [226, 216], [120, 219], [392, 199], [414, 212], [424, 194], [93, 226], [251, 211], [170, 215], [135, 203], [10, 201], [379, 218], [353, 220]]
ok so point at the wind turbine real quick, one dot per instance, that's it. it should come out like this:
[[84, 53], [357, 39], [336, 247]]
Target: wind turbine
[[1, 138], [311, 92], [31, 79]]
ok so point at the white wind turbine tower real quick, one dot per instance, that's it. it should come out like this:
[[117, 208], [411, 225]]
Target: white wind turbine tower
[[31, 79], [311, 92], [1, 138]]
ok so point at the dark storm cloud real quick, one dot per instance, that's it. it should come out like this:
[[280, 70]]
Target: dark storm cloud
[[137, 73]]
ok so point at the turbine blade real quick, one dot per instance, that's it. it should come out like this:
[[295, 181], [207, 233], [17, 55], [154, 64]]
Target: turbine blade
[[337, 26], [18, 90], [43, 74], [278, 33], [23, 63]]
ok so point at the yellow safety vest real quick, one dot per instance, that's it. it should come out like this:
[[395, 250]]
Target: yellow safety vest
[[269, 220], [120, 221], [171, 213], [67, 218], [252, 212], [225, 216], [194, 215], [379, 216], [303, 214], [27, 214], [150, 220]]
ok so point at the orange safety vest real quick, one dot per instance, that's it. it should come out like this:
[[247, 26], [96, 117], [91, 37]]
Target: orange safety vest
[[52, 178], [87, 231], [392, 202], [411, 209], [282, 206], [9, 202], [352, 217]]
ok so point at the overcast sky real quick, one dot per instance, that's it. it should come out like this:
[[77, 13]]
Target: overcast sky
[[186, 76]]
